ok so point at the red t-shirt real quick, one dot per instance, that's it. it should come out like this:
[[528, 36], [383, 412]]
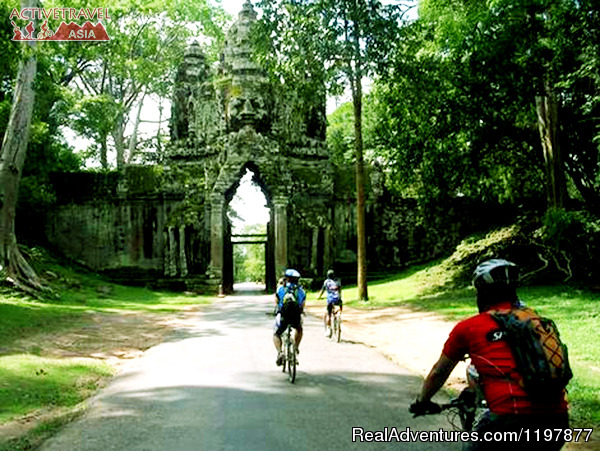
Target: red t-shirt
[[496, 366]]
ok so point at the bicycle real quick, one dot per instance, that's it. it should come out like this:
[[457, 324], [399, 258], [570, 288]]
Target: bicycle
[[289, 354], [336, 323], [465, 408]]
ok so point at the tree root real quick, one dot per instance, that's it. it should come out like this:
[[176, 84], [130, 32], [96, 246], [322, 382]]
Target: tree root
[[19, 274]]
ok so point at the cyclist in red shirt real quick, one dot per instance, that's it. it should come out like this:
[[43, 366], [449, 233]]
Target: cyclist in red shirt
[[510, 407]]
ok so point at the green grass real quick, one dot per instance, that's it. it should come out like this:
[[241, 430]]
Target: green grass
[[31, 382], [575, 311]]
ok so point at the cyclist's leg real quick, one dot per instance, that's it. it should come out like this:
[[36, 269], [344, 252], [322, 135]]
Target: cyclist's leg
[[278, 329], [327, 319], [298, 335]]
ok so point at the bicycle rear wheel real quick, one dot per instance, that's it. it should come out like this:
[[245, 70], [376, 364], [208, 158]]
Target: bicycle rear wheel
[[284, 346], [338, 327], [291, 360]]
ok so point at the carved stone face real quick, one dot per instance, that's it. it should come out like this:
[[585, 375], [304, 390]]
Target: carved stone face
[[247, 109]]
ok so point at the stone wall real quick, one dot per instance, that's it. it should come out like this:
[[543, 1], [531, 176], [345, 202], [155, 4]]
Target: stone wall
[[110, 235]]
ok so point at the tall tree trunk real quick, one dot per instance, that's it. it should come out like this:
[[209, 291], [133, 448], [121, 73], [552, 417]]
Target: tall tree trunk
[[14, 267], [104, 153], [118, 131], [133, 140], [547, 113], [158, 143], [361, 232], [355, 77]]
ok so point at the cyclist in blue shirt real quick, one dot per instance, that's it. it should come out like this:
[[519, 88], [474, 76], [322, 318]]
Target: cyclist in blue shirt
[[334, 297], [291, 298]]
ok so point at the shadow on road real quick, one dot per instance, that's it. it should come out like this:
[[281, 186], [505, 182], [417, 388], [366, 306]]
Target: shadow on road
[[319, 414]]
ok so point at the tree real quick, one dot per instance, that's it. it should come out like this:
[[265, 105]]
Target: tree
[[336, 42], [93, 118], [15, 268], [138, 64], [535, 54]]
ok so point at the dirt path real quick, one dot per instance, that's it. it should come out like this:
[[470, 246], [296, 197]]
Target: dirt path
[[411, 339]]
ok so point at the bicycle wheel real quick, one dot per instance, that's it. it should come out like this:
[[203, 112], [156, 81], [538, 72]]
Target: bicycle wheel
[[291, 358], [338, 327], [284, 339]]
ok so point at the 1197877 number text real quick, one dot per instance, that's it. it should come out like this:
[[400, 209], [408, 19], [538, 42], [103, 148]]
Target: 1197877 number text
[[568, 435]]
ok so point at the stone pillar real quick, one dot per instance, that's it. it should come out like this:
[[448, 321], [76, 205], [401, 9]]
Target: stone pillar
[[182, 257], [280, 208], [314, 258], [171, 269], [327, 248], [215, 270]]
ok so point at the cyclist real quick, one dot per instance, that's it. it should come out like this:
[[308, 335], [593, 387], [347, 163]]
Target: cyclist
[[334, 297], [510, 407], [289, 313]]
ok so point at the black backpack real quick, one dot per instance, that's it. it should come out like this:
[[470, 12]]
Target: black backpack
[[541, 357]]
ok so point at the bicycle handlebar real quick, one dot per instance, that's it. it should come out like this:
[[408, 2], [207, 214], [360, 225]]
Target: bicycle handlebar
[[435, 408]]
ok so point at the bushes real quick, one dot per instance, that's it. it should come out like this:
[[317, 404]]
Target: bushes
[[560, 247], [571, 240]]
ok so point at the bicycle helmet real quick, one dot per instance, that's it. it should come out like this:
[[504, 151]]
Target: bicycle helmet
[[292, 273], [495, 273]]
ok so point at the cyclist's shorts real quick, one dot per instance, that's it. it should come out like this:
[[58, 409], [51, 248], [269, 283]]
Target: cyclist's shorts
[[282, 322], [332, 303]]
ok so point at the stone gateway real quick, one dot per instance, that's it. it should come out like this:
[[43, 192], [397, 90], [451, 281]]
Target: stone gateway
[[166, 223]]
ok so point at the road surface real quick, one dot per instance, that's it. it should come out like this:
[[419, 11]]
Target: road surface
[[215, 387]]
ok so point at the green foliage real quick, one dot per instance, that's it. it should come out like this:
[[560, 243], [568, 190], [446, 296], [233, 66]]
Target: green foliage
[[94, 116], [456, 109], [249, 259], [340, 132]]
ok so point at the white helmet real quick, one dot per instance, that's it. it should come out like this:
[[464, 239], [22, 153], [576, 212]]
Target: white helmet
[[292, 273], [495, 273]]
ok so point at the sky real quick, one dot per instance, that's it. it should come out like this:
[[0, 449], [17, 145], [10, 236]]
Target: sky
[[249, 203], [233, 7]]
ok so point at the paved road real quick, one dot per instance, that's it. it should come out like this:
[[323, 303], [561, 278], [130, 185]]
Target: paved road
[[215, 387]]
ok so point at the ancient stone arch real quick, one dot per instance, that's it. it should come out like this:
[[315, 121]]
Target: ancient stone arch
[[165, 224], [231, 119]]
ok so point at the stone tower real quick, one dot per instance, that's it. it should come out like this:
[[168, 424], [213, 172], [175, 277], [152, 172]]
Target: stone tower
[[232, 119]]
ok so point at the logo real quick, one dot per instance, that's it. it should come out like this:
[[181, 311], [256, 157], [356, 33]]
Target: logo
[[70, 31], [496, 335]]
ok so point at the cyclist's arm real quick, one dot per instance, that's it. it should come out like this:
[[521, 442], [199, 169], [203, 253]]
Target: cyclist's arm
[[436, 377], [321, 293]]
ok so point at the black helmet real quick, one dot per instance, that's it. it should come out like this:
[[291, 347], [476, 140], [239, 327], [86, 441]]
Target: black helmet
[[495, 273]]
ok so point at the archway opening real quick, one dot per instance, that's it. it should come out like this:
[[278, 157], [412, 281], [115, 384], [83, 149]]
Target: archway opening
[[248, 218]]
